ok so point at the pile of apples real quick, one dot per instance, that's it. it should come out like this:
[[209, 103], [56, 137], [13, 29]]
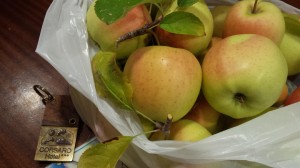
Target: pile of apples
[[188, 87]]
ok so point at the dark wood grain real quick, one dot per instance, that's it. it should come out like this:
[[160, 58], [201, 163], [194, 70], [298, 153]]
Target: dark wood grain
[[21, 109], [295, 3]]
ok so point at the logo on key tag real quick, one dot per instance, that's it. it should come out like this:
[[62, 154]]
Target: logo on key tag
[[56, 144], [59, 128]]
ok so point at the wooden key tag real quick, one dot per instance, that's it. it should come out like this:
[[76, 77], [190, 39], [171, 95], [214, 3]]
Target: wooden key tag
[[59, 128]]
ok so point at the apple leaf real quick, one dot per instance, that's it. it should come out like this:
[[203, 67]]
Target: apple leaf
[[105, 155], [110, 11], [186, 3], [109, 79], [180, 22]]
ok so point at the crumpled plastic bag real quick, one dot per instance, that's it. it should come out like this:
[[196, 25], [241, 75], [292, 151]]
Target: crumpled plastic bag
[[270, 140]]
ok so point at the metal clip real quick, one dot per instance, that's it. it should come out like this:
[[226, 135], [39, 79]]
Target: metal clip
[[45, 95]]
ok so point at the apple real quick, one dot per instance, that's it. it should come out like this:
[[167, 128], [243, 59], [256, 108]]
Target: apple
[[195, 44], [243, 75], [283, 96], [293, 97], [290, 45], [106, 35], [213, 41], [147, 125], [219, 14], [183, 130], [205, 115], [164, 80], [255, 17], [243, 120]]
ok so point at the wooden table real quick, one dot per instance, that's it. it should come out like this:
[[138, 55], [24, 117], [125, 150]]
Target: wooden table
[[21, 68]]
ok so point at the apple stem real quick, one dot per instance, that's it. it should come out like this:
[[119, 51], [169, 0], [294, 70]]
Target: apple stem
[[144, 30], [167, 125], [254, 6]]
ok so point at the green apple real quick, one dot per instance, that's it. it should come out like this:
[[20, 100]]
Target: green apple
[[240, 121], [205, 115], [219, 14], [248, 17], [164, 80], [243, 75], [184, 130], [106, 35], [195, 44], [290, 45]]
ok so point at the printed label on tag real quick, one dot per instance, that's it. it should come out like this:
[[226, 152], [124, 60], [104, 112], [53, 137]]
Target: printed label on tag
[[59, 128], [56, 144]]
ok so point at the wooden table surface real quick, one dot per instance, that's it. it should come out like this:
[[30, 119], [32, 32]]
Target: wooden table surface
[[21, 68]]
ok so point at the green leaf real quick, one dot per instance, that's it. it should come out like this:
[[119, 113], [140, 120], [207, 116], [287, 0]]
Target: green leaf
[[105, 155], [109, 79], [183, 23], [186, 3], [110, 11]]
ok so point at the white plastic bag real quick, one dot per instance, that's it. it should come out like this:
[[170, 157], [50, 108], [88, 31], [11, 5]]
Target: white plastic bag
[[272, 139]]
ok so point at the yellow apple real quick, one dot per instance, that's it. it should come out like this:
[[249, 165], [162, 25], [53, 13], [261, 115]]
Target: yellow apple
[[219, 14], [164, 80], [184, 130], [290, 45]]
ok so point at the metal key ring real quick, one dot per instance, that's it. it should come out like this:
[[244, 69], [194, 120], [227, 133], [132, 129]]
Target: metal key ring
[[41, 91]]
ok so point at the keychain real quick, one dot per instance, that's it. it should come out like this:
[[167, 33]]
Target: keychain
[[59, 127]]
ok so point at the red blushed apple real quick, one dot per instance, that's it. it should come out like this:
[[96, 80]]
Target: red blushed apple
[[106, 35], [293, 97], [283, 96], [243, 75], [204, 114], [164, 80], [195, 44], [255, 17]]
